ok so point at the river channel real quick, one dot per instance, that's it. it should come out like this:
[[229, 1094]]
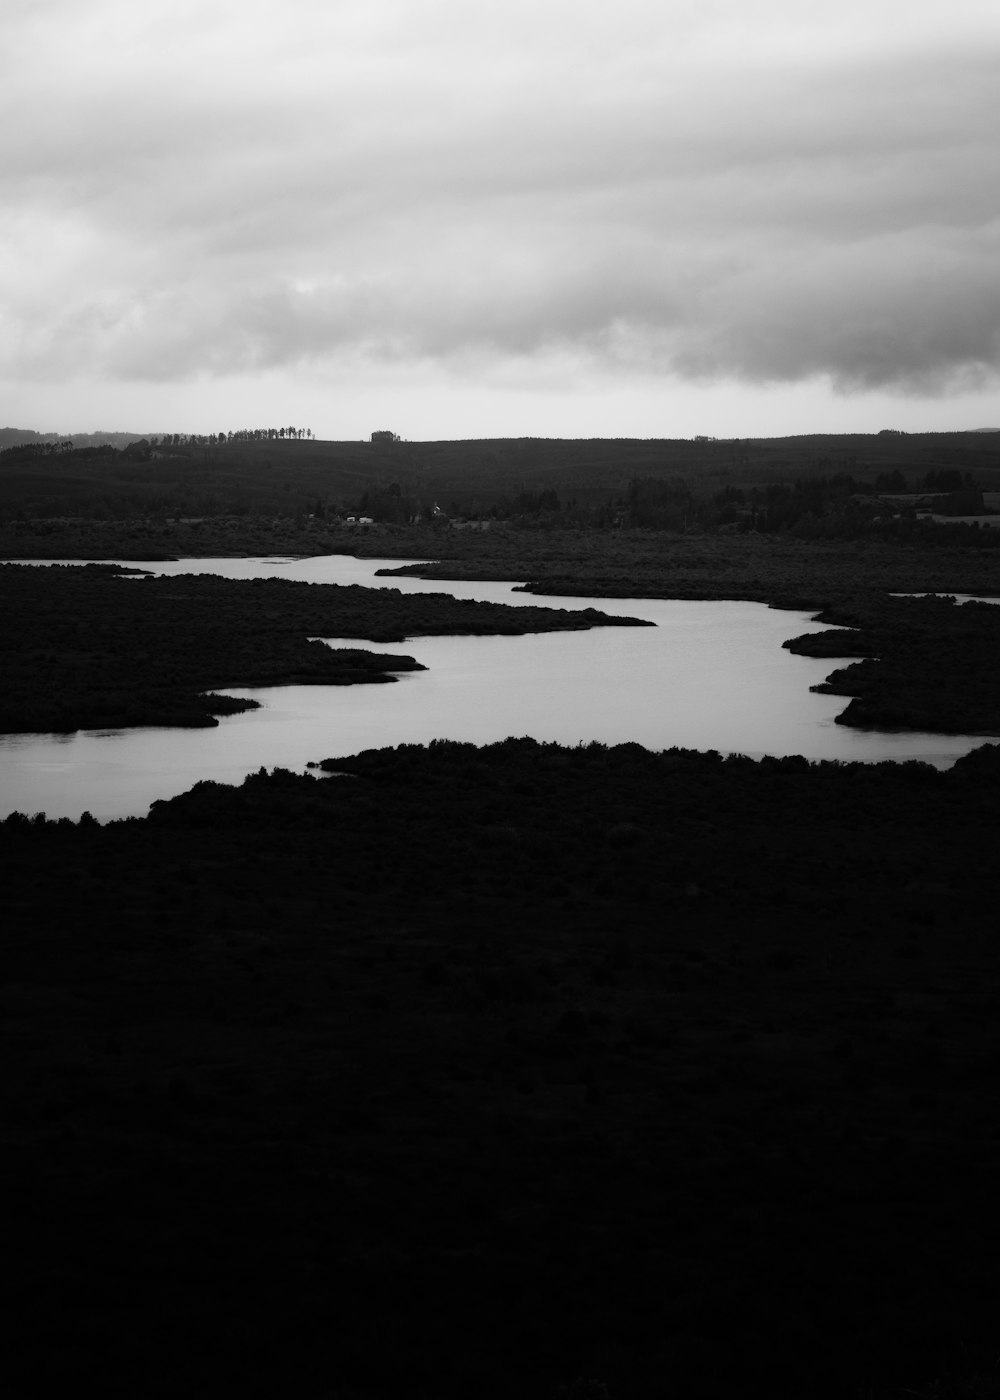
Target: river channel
[[710, 675]]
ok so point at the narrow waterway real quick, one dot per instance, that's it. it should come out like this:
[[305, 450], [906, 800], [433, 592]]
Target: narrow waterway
[[710, 675]]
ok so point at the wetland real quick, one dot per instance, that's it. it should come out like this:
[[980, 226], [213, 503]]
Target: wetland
[[710, 674], [504, 1068]]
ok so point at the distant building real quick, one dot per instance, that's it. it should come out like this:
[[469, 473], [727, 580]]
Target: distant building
[[384, 437]]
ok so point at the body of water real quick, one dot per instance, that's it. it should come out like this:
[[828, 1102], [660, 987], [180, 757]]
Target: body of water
[[710, 675]]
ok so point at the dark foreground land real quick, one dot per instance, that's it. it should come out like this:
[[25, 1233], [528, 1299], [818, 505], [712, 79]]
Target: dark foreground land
[[87, 648], [475, 1071]]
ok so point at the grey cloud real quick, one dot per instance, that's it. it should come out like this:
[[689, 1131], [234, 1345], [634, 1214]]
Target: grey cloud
[[879, 315], [892, 312], [838, 221]]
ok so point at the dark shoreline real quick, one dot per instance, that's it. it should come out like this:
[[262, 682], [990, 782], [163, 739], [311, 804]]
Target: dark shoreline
[[913, 648], [86, 648]]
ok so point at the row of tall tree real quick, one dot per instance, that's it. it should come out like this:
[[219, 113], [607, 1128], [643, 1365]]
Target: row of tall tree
[[231, 435], [49, 447]]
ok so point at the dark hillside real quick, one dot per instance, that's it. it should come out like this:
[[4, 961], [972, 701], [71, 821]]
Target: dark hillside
[[469, 1072], [203, 476]]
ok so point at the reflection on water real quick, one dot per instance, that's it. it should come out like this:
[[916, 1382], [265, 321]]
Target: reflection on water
[[709, 675]]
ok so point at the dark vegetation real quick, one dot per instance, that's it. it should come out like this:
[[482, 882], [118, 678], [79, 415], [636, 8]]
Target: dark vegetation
[[470, 1072], [474, 1071], [928, 664], [44, 443], [85, 648], [816, 486], [775, 569]]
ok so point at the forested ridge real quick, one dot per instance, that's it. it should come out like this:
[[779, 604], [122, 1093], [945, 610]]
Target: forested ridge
[[819, 486]]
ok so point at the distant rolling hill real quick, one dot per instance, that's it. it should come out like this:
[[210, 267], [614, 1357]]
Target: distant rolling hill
[[106, 474]]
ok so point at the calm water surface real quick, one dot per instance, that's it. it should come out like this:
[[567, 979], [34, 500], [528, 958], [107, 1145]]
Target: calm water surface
[[710, 675]]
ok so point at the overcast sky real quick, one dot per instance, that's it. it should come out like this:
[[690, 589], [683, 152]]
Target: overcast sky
[[453, 218]]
